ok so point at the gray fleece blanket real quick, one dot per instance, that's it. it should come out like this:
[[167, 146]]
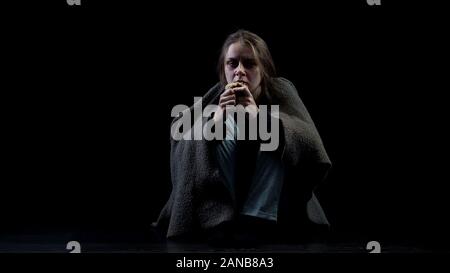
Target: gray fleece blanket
[[199, 199]]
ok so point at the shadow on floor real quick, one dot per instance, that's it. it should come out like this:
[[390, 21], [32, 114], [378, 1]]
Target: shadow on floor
[[150, 241]]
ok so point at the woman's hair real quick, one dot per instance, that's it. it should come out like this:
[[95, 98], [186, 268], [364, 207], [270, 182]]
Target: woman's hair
[[260, 50]]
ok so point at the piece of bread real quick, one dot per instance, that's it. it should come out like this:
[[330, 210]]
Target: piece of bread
[[234, 84]]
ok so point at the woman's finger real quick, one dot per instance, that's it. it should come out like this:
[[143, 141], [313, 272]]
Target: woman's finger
[[242, 91], [227, 98], [227, 92], [224, 104]]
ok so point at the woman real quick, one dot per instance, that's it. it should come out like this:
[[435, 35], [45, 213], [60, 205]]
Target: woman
[[226, 188]]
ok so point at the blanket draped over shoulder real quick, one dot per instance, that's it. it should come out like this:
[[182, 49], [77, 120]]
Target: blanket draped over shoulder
[[199, 199]]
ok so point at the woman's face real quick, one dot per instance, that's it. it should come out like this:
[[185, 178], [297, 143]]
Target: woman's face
[[241, 65]]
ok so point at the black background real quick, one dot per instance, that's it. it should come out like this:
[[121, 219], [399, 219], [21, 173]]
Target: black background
[[87, 93]]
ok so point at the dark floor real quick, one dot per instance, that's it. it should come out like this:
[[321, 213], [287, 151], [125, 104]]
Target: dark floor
[[152, 242]]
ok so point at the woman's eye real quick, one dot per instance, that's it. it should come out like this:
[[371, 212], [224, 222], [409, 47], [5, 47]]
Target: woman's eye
[[232, 63], [249, 64]]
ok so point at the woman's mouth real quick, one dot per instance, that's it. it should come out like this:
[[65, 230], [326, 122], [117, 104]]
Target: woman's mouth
[[243, 82]]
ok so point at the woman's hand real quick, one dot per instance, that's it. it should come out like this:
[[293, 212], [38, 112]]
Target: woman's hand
[[246, 99], [236, 93]]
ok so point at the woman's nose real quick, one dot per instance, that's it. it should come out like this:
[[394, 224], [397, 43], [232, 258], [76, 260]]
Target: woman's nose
[[240, 71]]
